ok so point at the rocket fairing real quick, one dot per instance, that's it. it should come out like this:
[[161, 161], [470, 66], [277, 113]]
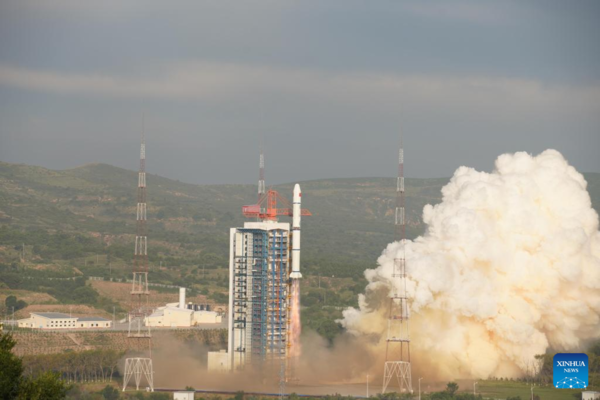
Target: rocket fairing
[[296, 233]]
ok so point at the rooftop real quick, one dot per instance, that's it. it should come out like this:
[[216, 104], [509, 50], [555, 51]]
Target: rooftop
[[92, 319], [53, 315]]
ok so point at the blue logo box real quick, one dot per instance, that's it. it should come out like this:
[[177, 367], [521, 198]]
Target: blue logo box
[[570, 370]]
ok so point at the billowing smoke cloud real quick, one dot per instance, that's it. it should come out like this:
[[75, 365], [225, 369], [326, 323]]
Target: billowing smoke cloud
[[509, 266]]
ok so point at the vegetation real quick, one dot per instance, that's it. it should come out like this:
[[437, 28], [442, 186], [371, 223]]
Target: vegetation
[[15, 385], [13, 304], [67, 290], [57, 228], [81, 366]]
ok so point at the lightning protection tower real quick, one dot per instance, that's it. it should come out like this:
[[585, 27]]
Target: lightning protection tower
[[397, 366], [139, 333]]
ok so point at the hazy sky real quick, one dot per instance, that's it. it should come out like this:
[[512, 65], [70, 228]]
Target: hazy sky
[[327, 84]]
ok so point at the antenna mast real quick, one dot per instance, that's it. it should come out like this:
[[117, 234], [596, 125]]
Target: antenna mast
[[141, 338], [261, 175], [397, 351]]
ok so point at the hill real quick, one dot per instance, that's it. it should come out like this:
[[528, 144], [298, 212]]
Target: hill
[[188, 224], [81, 222]]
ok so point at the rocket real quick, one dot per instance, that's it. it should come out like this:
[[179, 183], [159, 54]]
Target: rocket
[[296, 233]]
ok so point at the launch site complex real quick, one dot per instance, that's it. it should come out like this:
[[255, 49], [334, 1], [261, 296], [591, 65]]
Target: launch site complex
[[263, 314]]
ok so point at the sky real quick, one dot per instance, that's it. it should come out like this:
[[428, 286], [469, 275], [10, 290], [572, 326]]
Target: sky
[[326, 86]]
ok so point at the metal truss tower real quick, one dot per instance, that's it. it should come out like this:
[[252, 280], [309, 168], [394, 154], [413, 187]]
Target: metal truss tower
[[139, 333], [397, 366]]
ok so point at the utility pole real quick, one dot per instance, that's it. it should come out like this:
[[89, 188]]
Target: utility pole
[[531, 392], [474, 391], [367, 386]]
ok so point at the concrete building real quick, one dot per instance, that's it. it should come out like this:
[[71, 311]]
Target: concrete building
[[181, 315], [93, 322], [55, 320], [218, 361]]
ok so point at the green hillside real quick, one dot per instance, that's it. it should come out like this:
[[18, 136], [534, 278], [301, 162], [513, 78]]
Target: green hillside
[[188, 224], [56, 225], [81, 222], [93, 209]]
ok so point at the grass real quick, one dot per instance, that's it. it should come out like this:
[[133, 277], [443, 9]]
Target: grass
[[504, 389]]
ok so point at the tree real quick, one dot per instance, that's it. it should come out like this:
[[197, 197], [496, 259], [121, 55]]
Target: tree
[[13, 385], [452, 388], [110, 393], [11, 368], [47, 386]]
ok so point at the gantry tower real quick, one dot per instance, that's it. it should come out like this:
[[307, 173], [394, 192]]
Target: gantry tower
[[138, 332], [397, 368]]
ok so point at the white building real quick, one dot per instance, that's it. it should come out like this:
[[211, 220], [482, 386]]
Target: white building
[[94, 322], [188, 395], [590, 395], [55, 320], [179, 315]]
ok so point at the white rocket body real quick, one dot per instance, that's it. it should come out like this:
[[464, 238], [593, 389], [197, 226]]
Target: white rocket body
[[296, 233]]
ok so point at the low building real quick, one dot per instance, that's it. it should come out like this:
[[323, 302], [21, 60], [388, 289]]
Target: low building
[[169, 316], [55, 320], [181, 315], [590, 395], [218, 361], [94, 322], [187, 395], [48, 320]]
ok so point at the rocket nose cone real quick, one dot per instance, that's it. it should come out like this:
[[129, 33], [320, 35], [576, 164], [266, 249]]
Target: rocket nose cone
[[297, 191]]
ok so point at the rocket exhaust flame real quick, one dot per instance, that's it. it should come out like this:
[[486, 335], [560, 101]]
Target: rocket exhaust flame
[[295, 324], [295, 347], [508, 267]]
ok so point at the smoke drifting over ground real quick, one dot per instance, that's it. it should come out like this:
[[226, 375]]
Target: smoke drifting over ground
[[179, 364], [509, 266]]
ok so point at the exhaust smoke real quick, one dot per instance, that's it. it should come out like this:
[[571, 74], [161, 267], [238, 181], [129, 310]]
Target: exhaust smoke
[[509, 266]]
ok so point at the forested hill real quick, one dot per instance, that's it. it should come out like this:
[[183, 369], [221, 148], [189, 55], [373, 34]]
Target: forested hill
[[89, 210]]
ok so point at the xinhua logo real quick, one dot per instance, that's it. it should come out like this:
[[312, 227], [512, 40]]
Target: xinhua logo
[[570, 371]]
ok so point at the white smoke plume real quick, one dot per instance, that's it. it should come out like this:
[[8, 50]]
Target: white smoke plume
[[509, 266]]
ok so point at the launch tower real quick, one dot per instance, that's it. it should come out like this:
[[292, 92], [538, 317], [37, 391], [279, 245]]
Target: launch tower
[[397, 366], [264, 268]]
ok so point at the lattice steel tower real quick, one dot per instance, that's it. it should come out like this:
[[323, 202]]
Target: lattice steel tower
[[397, 352], [139, 333]]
